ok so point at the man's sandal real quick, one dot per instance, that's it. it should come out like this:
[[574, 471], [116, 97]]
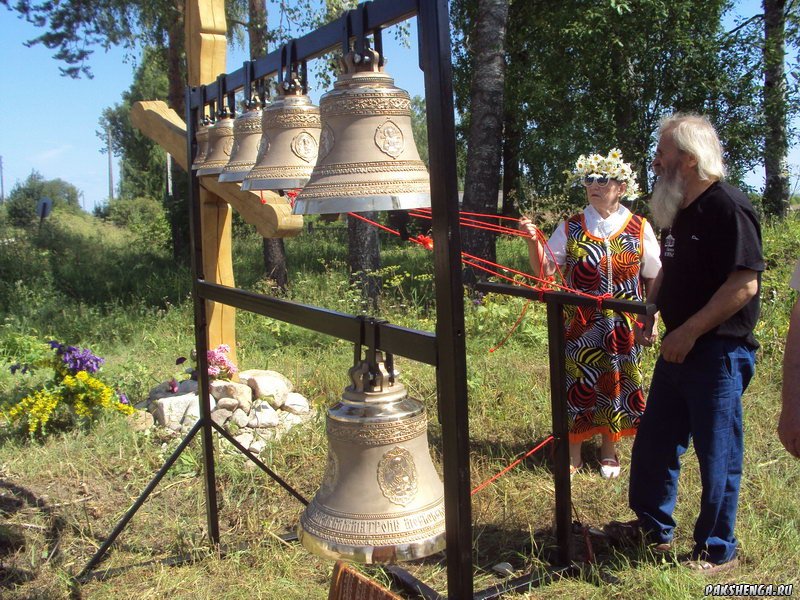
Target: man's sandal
[[705, 567]]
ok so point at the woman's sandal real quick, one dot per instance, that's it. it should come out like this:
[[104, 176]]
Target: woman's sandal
[[609, 467], [708, 568]]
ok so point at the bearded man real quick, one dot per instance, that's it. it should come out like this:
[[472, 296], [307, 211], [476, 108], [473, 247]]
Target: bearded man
[[708, 297]]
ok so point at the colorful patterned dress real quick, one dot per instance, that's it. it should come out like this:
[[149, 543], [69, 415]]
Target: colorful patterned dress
[[604, 376]]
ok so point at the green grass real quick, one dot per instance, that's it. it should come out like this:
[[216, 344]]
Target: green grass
[[60, 498]]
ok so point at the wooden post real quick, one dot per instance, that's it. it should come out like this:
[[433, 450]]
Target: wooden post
[[206, 47]]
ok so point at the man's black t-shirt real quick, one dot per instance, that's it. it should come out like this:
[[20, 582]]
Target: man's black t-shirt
[[714, 236]]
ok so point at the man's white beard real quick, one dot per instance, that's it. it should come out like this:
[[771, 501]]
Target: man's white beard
[[666, 200]]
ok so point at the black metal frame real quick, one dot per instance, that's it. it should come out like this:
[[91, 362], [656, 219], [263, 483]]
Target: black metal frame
[[446, 350]]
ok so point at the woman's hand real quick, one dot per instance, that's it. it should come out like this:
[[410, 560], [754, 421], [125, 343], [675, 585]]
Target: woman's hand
[[526, 225]]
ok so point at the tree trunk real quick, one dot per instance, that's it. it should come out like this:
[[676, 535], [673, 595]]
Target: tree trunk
[[274, 250], [257, 27], [484, 141], [776, 193], [275, 262], [364, 257], [512, 138]]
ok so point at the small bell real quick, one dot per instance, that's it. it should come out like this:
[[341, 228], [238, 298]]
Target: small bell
[[368, 159], [220, 146], [202, 145], [246, 139], [289, 141]]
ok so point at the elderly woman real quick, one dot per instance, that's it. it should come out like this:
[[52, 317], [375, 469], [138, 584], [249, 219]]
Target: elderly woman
[[605, 249]]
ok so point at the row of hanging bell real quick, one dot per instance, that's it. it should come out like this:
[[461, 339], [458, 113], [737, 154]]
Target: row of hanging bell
[[353, 153], [381, 499]]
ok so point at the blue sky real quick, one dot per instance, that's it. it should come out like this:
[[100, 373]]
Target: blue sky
[[49, 122]]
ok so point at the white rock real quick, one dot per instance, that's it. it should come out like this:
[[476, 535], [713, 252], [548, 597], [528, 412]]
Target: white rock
[[296, 404], [192, 414], [170, 409], [246, 405], [245, 439], [257, 445], [264, 416], [230, 389], [240, 417], [220, 416], [288, 420], [230, 404], [269, 385]]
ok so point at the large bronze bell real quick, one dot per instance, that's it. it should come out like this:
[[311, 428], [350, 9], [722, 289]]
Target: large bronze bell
[[368, 159], [246, 139], [220, 146], [202, 145], [381, 499], [289, 141]]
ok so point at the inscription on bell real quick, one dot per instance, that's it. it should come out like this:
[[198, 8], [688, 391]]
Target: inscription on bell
[[305, 146], [389, 139], [228, 147], [397, 476], [326, 141], [331, 473], [402, 526], [263, 146]]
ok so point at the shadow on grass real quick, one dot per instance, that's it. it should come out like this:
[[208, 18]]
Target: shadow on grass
[[14, 499]]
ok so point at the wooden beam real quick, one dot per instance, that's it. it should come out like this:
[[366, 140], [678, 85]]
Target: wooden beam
[[206, 45], [270, 213]]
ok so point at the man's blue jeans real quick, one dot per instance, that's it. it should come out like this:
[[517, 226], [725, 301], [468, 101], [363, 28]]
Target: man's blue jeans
[[700, 399]]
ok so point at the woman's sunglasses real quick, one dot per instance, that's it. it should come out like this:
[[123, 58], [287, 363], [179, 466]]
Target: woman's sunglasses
[[601, 180]]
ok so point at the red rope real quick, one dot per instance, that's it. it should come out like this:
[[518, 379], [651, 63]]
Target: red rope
[[469, 260], [513, 327], [474, 214], [494, 478]]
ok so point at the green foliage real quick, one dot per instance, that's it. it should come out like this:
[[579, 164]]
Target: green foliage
[[144, 218], [419, 126], [589, 77], [79, 257], [24, 197]]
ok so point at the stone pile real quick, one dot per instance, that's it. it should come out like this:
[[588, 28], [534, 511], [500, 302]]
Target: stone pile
[[258, 408]]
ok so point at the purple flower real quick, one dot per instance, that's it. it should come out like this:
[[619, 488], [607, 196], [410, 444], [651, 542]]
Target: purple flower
[[123, 398], [15, 367], [172, 385], [56, 346], [80, 359], [180, 360]]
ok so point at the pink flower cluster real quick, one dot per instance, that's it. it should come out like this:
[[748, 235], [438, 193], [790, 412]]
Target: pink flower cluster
[[219, 365]]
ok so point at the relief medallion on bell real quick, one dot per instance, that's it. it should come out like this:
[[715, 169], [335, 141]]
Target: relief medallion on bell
[[304, 146], [389, 139], [397, 476]]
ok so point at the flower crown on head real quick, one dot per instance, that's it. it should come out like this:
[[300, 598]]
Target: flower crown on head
[[612, 165]]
